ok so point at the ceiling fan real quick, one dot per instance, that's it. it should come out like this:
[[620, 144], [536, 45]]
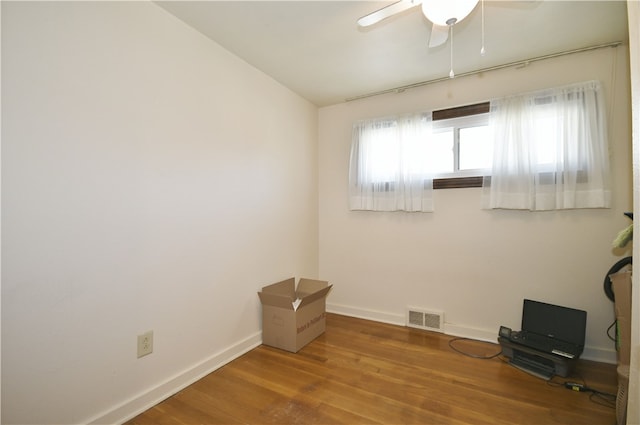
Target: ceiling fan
[[443, 14]]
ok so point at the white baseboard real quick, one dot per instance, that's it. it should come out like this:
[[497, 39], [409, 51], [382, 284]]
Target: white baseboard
[[144, 401], [590, 353], [376, 316], [599, 355], [472, 333]]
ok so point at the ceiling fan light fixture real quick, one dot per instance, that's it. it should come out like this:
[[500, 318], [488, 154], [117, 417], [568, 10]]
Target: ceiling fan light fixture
[[447, 12]]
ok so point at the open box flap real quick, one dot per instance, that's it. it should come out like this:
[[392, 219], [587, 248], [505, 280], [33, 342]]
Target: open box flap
[[281, 294], [276, 300], [286, 288], [308, 299], [309, 286]]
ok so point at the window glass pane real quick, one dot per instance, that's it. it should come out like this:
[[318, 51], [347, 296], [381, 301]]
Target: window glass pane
[[546, 135], [441, 159], [476, 148], [380, 148]]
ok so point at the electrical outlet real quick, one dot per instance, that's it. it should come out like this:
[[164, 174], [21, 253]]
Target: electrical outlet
[[145, 344]]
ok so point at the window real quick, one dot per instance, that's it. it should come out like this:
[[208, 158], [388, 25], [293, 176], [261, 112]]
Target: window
[[465, 146], [538, 151], [388, 167], [550, 150]]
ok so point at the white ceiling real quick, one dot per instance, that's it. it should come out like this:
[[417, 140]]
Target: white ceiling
[[316, 49]]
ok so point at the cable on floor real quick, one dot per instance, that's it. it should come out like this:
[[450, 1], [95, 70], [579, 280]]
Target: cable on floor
[[475, 356], [595, 396]]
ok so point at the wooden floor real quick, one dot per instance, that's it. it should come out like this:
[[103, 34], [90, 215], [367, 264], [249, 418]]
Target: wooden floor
[[362, 372]]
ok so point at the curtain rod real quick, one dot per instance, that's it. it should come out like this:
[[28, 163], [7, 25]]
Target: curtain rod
[[521, 63]]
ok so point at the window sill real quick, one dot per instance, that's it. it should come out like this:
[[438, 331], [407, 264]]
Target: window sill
[[457, 182]]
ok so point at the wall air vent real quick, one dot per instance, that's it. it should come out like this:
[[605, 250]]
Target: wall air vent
[[425, 319]]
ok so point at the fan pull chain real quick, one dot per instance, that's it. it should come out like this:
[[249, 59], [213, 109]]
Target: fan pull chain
[[451, 74], [482, 51]]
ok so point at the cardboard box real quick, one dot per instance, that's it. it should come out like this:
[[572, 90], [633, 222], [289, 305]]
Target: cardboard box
[[621, 287], [293, 317]]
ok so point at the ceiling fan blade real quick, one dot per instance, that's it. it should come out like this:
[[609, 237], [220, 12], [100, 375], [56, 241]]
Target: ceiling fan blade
[[387, 12], [439, 35]]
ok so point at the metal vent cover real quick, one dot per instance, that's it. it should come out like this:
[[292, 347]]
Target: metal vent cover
[[623, 394], [425, 319]]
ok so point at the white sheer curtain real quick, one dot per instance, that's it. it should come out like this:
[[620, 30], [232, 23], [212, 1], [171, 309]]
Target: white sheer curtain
[[550, 150], [388, 165]]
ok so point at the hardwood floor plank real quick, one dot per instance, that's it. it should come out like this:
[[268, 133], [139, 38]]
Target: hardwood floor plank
[[363, 372]]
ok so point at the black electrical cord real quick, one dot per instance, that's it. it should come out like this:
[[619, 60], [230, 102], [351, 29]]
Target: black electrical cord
[[604, 399], [612, 338], [475, 356], [595, 396]]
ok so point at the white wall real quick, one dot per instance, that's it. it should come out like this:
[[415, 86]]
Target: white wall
[[475, 265], [633, 12], [150, 181]]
